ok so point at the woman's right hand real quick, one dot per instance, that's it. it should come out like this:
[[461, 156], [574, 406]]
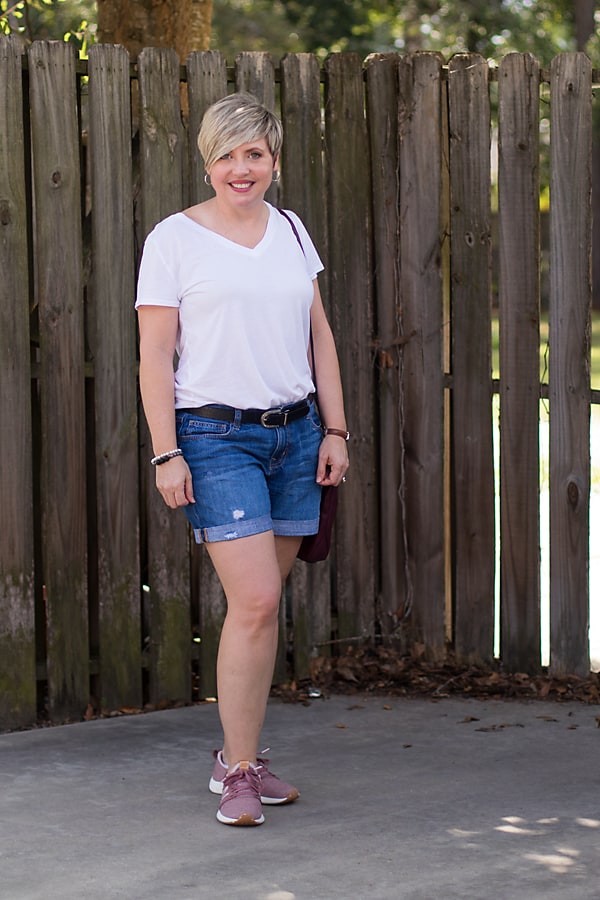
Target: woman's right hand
[[174, 482]]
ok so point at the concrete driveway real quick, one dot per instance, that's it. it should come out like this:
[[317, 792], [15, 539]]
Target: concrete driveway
[[401, 799]]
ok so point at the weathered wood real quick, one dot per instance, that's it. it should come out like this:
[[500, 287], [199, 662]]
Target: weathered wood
[[303, 191], [363, 584], [59, 294], [570, 304], [17, 621], [382, 120], [472, 450], [110, 306], [255, 73], [207, 82], [422, 369], [349, 207], [303, 182], [519, 300], [168, 567]]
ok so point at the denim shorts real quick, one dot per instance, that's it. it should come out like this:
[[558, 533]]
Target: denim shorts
[[249, 479]]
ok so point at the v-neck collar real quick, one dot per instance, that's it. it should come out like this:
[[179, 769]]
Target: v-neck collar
[[265, 239]]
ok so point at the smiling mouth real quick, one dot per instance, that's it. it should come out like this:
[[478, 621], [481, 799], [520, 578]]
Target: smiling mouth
[[241, 185]]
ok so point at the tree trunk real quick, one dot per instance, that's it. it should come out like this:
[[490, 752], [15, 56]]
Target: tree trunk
[[584, 21], [184, 25]]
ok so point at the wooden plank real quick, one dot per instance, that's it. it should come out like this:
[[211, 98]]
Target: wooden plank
[[472, 450], [302, 178], [111, 309], [168, 565], [206, 82], [255, 73], [59, 293], [382, 118], [349, 204], [17, 620], [303, 191], [519, 300], [570, 304], [422, 358]]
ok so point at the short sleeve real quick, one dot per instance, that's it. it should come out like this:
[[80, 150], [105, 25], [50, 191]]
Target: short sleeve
[[157, 281]]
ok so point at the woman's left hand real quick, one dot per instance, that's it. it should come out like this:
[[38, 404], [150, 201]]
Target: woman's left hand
[[333, 460]]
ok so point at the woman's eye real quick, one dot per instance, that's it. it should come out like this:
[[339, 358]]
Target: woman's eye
[[255, 155]]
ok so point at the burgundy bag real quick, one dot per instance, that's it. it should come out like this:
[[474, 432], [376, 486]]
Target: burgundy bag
[[315, 547]]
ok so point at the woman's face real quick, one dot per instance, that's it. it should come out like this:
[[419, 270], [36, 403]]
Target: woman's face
[[243, 175]]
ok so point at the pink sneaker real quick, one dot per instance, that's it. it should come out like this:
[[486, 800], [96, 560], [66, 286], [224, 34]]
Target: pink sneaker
[[274, 791], [240, 801]]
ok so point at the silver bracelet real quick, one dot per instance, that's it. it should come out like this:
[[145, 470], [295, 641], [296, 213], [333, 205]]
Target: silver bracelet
[[165, 457]]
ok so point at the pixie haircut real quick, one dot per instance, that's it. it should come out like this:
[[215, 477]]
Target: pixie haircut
[[234, 120]]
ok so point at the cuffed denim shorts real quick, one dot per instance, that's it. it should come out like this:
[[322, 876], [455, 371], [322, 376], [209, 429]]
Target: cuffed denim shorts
[[249, 479]]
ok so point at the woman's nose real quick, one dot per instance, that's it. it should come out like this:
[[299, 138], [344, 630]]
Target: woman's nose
[[240, 165]]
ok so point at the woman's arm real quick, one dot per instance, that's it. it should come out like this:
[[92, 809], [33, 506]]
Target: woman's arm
[[333, 454], [158, 334]]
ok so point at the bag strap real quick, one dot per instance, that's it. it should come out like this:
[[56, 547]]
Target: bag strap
[[312, 346]]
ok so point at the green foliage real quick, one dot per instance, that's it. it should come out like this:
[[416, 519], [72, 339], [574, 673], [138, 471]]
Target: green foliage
[[67, 20], [253, 25], [490, 27]]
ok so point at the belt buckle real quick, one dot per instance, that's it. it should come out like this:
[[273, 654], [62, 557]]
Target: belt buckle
[[273, 412]]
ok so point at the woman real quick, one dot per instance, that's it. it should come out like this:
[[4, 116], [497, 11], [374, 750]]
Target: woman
[[231, 287]]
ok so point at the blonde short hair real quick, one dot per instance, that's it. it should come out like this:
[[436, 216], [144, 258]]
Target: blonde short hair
[[234, 120]]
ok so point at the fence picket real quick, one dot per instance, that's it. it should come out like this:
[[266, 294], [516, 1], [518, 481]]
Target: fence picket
[[421, 289], [255, 73], [350, 285], [17, 621], [570, 305], [59, 294], [472, 451], [303, 192], [206, 83], [168, 617], [382, 117], [112, 341], [519, 301]]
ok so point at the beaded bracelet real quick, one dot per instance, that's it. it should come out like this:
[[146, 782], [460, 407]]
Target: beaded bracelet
[[165, 457]]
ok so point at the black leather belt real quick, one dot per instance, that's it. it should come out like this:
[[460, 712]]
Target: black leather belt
[[268, 418]]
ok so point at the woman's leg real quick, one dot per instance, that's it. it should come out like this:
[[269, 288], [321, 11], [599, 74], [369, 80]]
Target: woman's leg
[[251, 570]]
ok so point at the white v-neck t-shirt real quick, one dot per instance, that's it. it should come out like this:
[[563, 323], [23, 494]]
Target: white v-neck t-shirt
[[244, 314]]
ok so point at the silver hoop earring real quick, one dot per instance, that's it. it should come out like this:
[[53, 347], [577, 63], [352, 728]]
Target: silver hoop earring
[[276, 176], [207, 180]]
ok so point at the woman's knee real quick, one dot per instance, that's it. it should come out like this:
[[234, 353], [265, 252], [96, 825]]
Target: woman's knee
[[258, 609]]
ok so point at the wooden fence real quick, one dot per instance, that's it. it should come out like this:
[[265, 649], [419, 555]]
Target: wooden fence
[[388, 163]]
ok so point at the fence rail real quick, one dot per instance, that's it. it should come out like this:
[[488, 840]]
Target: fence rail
[[103, 597]]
